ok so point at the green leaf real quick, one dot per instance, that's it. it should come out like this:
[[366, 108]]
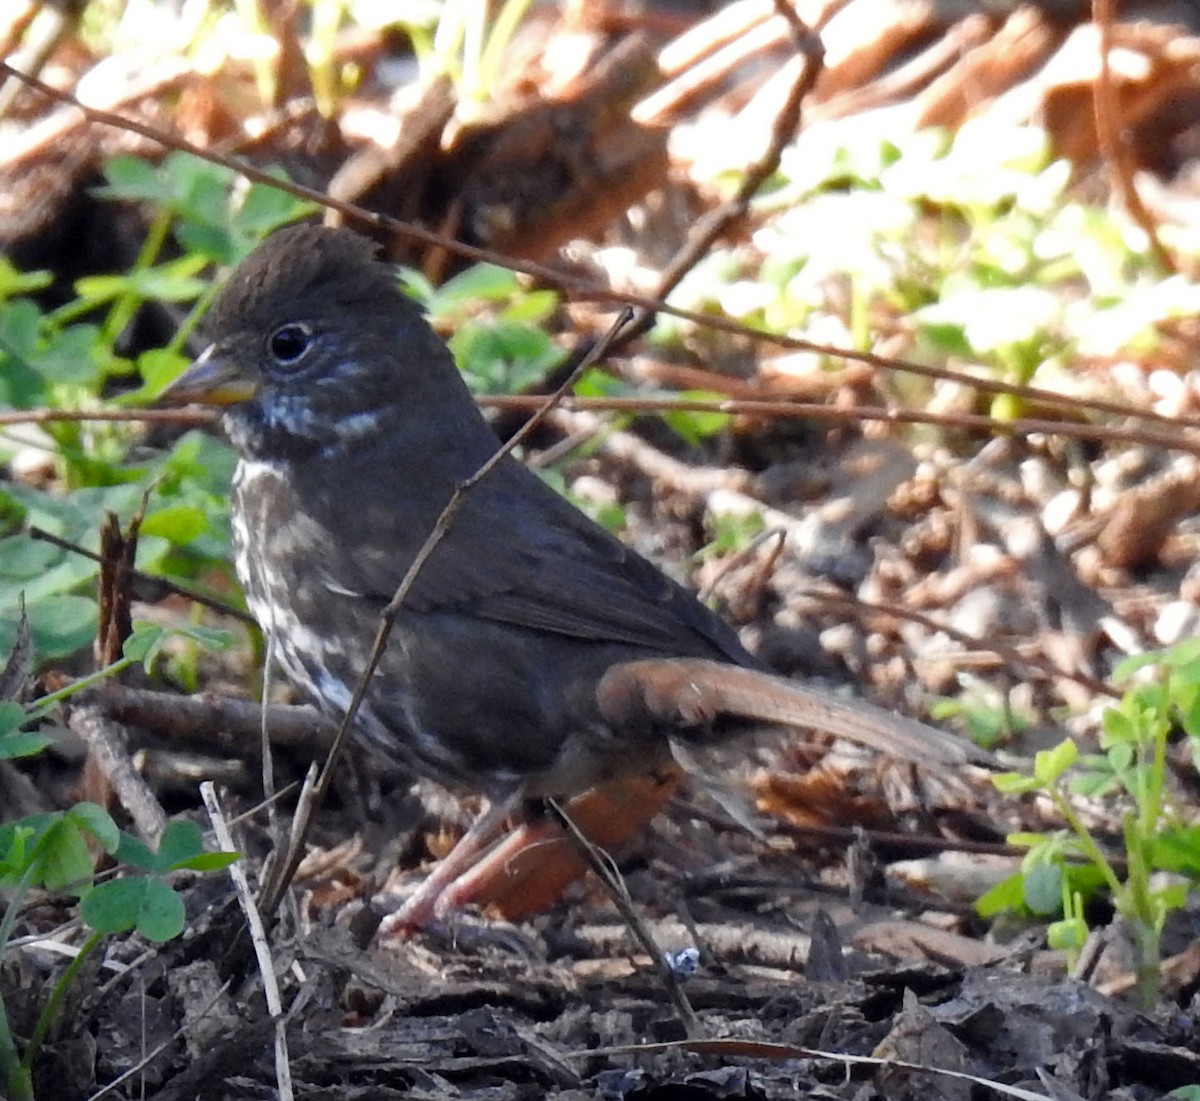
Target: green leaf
[[730, 532], [1174, 896], [62, 624], [945, 337], [1042, 888], [178, 523], [200, 190], [23, 557], [1026, 840], [600, 384], [502, 356], [20, 329], [61, 575], [481, 282], [531, 308], [1117, 726], [198, 461], [209, 637], [97, 290], [144, 903], [73, 356], [14, 849], [98, 822], [1015, 783], [136, 853], [211, 862], [216, 243], [14, 282], [1068, 935], [21, 385], [1120, 756], [1189, 716], [171, 282], [1007, 896], [181, 846], [113, 907], [1085, 880], [1050, 764], [694, 426], [144, 643], [181, 841], [1177, 850], [267, 208], [22, 744], [63, 857], [162, 914], [12, 716], [417, 287], [159, 366], [1125, 668], [1095, 783], [132, 179], [1185, 657]]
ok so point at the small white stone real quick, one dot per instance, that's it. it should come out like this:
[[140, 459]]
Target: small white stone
[[1179, 620], [1060, 510]]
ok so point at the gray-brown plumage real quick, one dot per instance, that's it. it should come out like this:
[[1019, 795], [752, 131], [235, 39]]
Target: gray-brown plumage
[[536, 654]]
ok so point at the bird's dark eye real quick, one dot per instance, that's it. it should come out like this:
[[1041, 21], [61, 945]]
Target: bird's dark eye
[[289, 343]]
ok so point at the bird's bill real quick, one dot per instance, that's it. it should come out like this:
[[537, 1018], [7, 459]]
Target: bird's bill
[[211, 379]]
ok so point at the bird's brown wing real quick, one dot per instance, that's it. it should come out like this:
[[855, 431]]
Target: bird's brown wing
[[518, 553]]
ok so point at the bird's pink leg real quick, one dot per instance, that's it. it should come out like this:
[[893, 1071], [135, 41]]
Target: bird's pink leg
[[430, 902]]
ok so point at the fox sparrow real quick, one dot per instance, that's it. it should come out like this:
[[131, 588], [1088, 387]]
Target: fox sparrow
[[535, 654]]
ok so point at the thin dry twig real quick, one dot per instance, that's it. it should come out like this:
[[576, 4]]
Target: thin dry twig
[[258, 937], [852, 414], [105, 743], [606, 871], [308, 802], [185, 418], [775, 409], [205, 716], [779, 409], [163, 583]]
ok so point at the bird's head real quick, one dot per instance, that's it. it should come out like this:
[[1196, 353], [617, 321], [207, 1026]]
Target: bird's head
[[312, 346]]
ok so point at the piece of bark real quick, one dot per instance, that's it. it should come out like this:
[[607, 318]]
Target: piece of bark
[[908, 940], [916, 1037]]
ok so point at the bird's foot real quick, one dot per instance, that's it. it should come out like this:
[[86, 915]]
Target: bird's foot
[[436, 897], [526, 872], [471, 879], [441, 915]]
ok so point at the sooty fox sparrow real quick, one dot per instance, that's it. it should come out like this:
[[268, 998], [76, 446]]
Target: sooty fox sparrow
[[535, 654]]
